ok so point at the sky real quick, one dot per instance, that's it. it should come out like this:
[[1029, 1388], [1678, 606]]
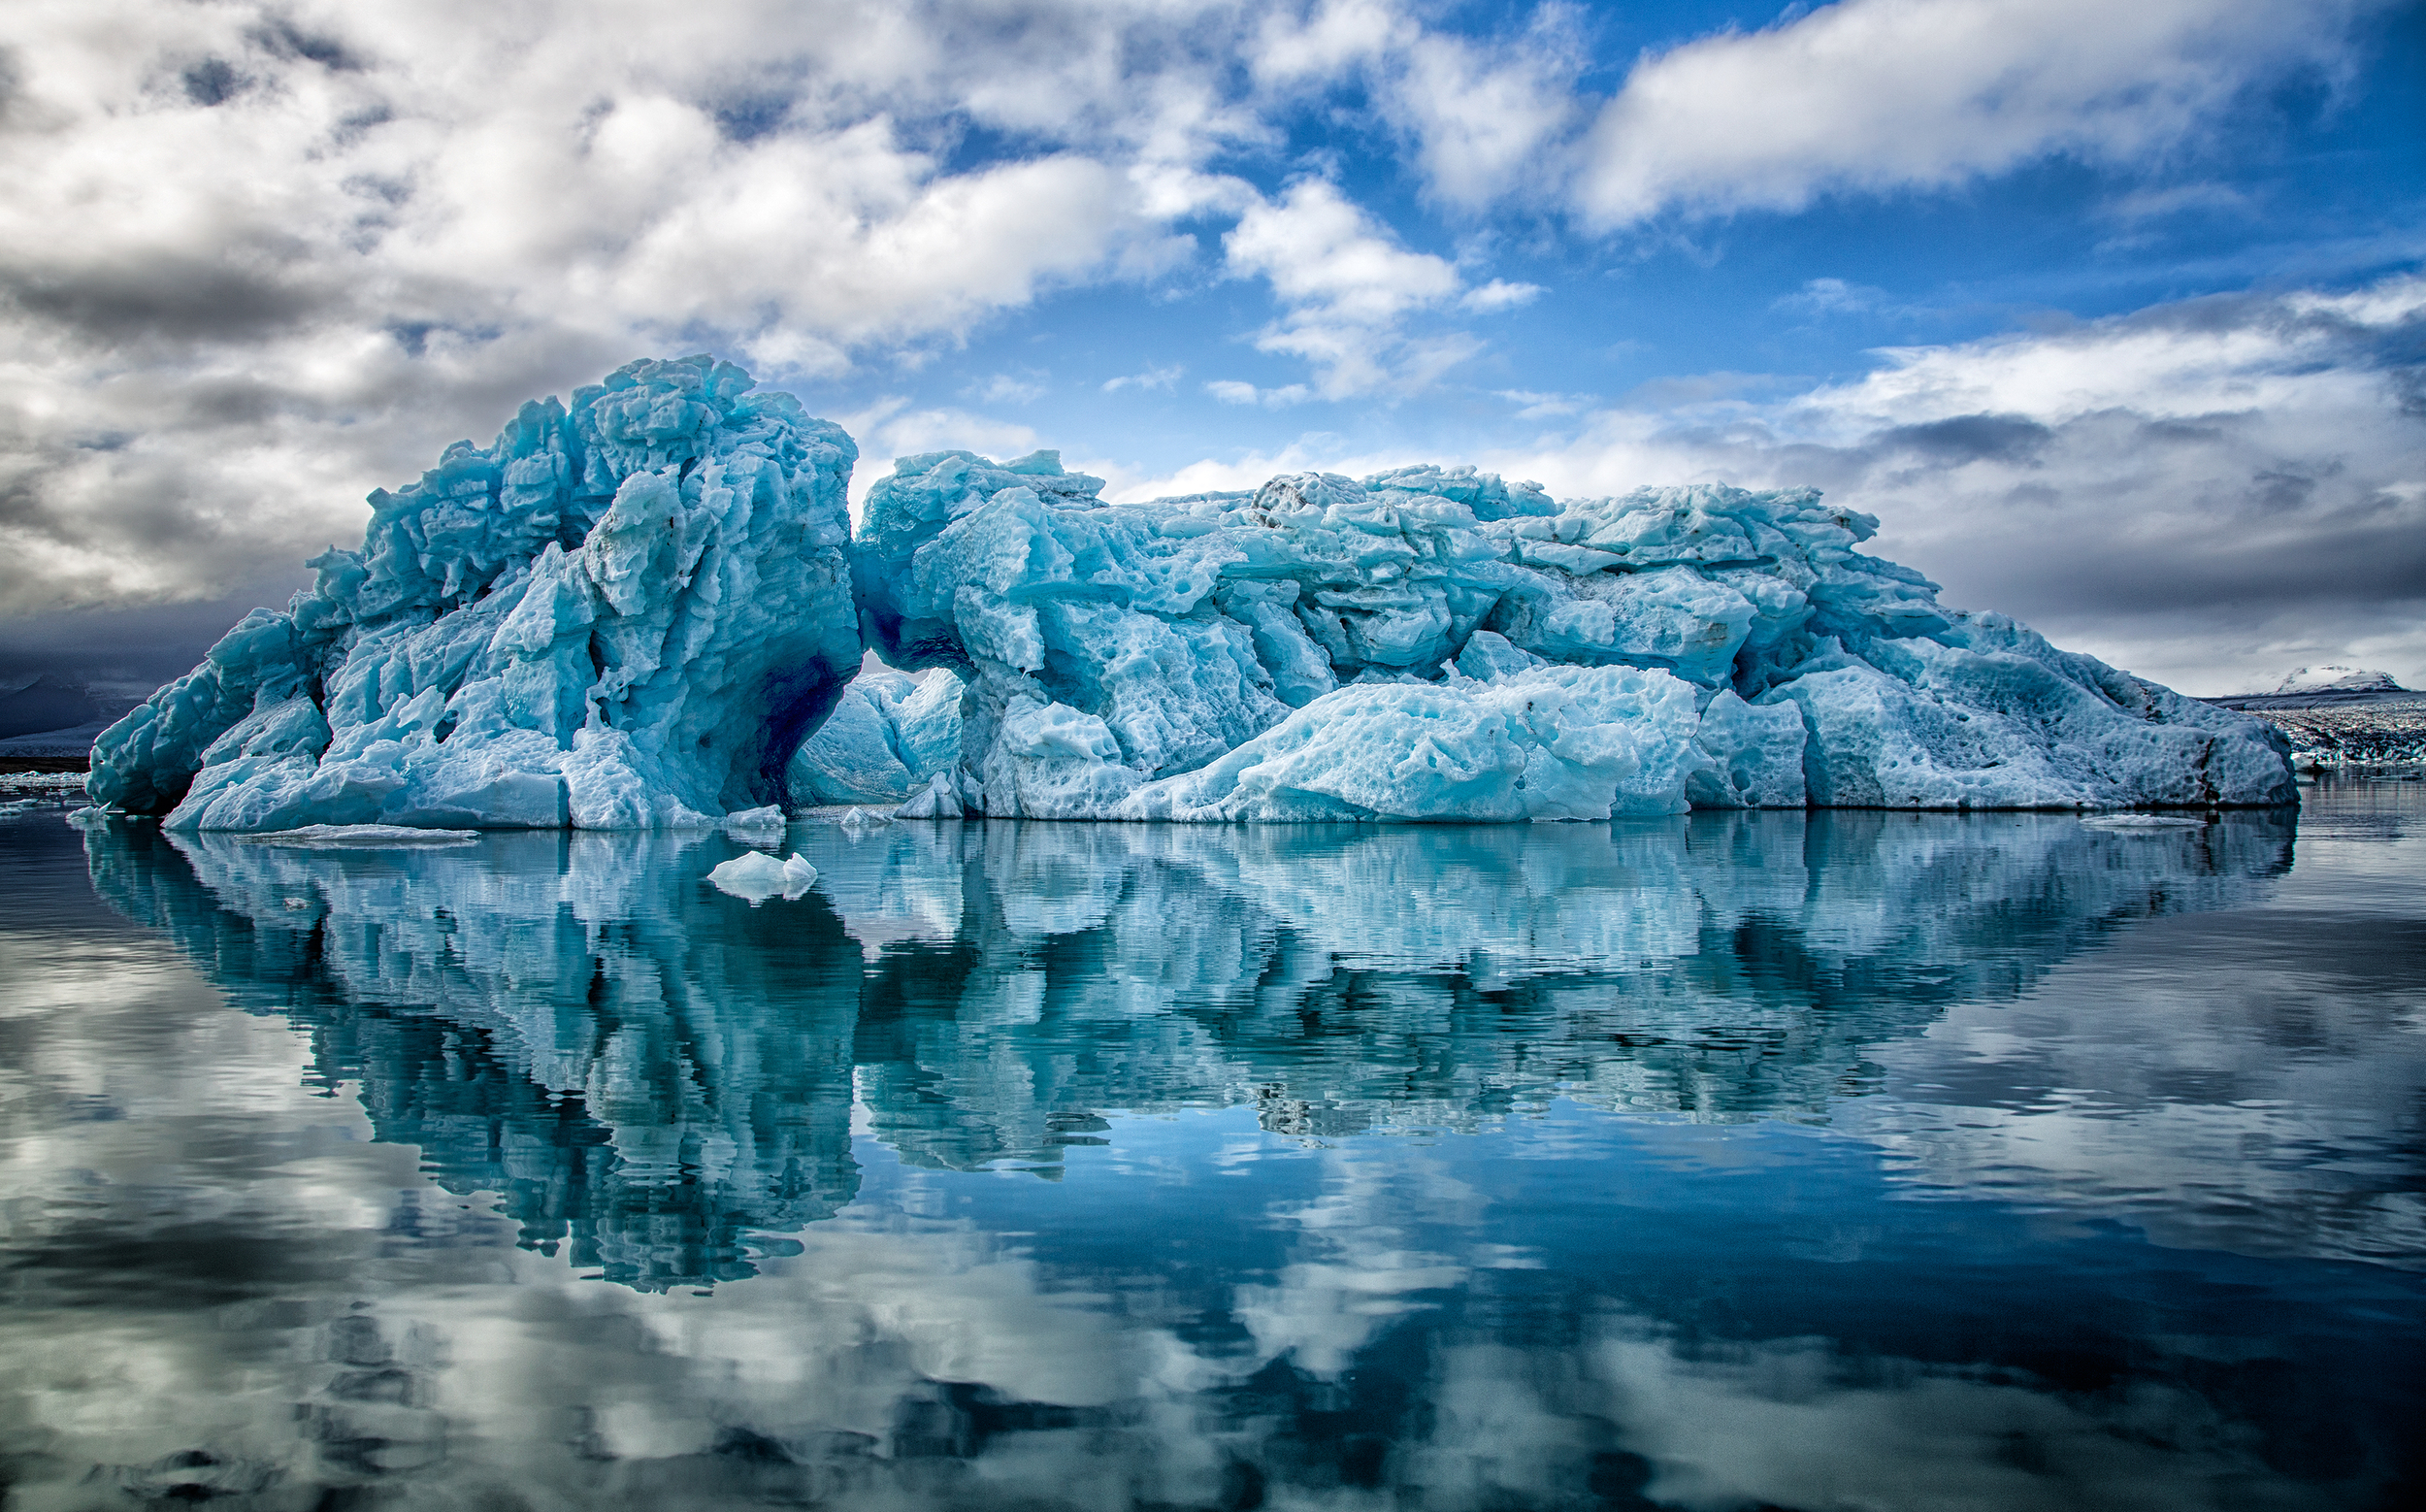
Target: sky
[[2114, 315]]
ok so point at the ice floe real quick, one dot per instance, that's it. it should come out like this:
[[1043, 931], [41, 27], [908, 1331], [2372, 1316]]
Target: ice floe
[[355, 836], [757, 876]]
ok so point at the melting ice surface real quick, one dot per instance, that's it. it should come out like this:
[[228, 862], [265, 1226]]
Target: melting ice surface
[[640, 610], [1806, 1160]]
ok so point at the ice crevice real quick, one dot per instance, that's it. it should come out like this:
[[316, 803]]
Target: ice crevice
[[645, 610]]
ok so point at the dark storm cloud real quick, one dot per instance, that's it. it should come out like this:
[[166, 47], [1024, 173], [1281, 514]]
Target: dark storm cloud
[[176, 296], [135, 649], [2348, 564], [2271, 531], [1968, 437]]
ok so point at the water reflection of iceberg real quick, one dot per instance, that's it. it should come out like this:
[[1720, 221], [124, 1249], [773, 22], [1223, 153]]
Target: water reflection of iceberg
[[652, 1072], [630, 1068]]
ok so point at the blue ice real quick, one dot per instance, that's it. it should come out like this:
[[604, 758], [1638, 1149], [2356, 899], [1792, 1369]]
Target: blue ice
[[643, 610]]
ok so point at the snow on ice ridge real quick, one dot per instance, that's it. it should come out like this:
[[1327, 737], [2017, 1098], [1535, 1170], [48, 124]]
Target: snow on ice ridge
[[1436, 644], [622, 615]]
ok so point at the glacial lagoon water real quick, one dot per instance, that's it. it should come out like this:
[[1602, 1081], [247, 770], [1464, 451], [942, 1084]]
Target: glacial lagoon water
[[1849, 1160]]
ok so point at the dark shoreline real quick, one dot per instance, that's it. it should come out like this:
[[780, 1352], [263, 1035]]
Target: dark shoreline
[[2373, 728]]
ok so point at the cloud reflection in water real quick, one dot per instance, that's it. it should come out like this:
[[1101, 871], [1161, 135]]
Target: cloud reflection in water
[[1224, 1297]]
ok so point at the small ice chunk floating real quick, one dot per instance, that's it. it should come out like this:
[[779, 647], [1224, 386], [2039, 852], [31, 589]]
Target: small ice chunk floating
[[639, 612], [756, 876]]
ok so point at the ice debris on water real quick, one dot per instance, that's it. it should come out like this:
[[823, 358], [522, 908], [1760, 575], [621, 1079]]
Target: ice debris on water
[[939, 799], [758, 826], [2143, 824], [58, 784], [350, 836], [757, 876], [642, 610]]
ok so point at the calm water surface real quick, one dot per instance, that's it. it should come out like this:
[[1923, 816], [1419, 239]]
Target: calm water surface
[[1850, 1161]]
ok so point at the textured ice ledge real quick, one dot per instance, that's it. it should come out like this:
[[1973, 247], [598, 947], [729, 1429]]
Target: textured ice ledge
[[1436, 644]]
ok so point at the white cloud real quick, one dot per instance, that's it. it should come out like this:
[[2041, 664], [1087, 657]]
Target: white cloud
[[913, 431], [1346, 285], [1335, 37], [1499, 294], [1314, 452], [890, 428], [1874, 95], [1485, 117], [2180, 199], [243, 278], [1231, 391], [1535, 406], [296, 268], [1834, 296], [1003, 388], [1488, 121], [1161, 378], [1324, 257]]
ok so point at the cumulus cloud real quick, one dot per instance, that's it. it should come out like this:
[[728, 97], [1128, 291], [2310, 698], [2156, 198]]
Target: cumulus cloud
[[1329, 260], [2205, 491], [256, 258], [1499, 294], [1873, 96], [1480, 115], [313, 242], [310, 240], [1347, 289]]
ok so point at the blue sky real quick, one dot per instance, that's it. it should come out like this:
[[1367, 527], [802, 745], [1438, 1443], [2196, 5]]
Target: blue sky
[[2112, 315]]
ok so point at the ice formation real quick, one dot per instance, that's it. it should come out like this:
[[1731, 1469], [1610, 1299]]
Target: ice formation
[[623, 615], [1436, 644], [756, 876], [635, 612], [887, 738]]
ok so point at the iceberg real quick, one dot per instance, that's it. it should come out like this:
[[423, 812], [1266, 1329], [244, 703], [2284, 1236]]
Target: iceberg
[[626, 614], [647, 610], [1436, 644]]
